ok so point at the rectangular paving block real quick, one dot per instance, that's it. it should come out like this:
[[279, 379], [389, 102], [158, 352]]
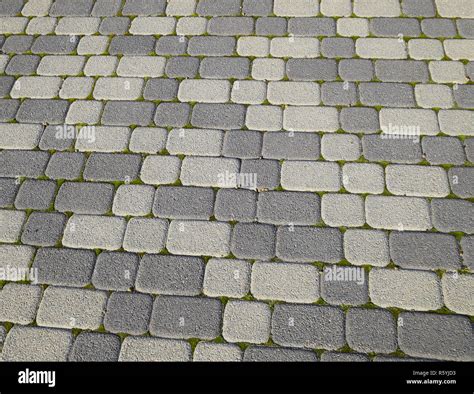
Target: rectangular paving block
[[342, 210], [310, 176], [112, 167], [294, 47], [366, 247], [133, 200], [235, 205], [227, 278], [381, 48], [311, 119], [311, 326], [253, 241], [406, 289], [154, 349], [144, 235], [210, 351], [84, 197], [115, 271], [296, 7], [293, 93], [19, 303], [309, 244], [206, 91], [19, 136], [450, 215], [95, 347], [11, 224], [285, 282], [403, 149], [344, 285], [186, 317], [456, 292], [210, 171]]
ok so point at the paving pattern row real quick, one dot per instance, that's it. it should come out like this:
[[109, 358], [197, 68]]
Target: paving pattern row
[[236, 180]]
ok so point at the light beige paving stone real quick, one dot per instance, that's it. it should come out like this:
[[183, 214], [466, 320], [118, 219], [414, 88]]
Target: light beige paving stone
[[335, 147], [249, 92], [94, 232], [154, 349], [294, 47], [204, 90], [362, 247], [141, 66], [296, 7], [37, 344], [76, 87], [4, 59], [160, 170], [456, 122], [398, 213], [459, 49], [191, 26], [353, 27], [457, 292], [381, 48], [195, 142], [145, 235], [53, 65], [227, 278], [19, 302], [363, 178], [36, 87], [11, 223], [246, 321], [377, 8], [101, 65], [311, 119], [336, 7], [209, 351], [268, 69], [149, 25], [41, 25], [418, 181], [264, 117], [17, 258], [455, 8], [253, 46], [84, 111], [106, 139], [72, 308], [342, 210], [425, 49], [180, 7], [310, 176], [77, 26], [133, 200], [210, 171], [294, 93], [406, 289], [13, 25], [408, 121], [36, 7], [20, 135], [434, 96], [447, 72], [118, 88], [199, 238], [285, 282], [92, 45], [148, 139]]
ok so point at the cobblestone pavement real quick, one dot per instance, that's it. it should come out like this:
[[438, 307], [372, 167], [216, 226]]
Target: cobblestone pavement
[[237, 180]]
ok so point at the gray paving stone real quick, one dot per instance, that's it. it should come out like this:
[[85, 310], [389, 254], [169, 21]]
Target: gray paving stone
[[11, 7], [54, 138], [227, 278], [17, 44], [84, 197], [243, 144], [22, 65], [42, 111], [343, 357], [438, 27], [356, 69], [419, 8], [353, 291], [253, 241], [65, 165], [401, 71], [115, 271], [209, 351], [211, 46], [218, 116], [144, 7], [461, 180], [35, 194], [266, 173], [23, 163], [371, 330], [271, 26], [54, 45], [465, 27], [359, 120], [183, 203], [132, 45], [311, 69], [154, 349], [218, 7], [246, 321], [287, 282], [172, 114], [464, 96], [224, 68], [236, 205], [337, 47], [436, 336], [144, 235], [71, 8], [289, 208], [311, 326], [114, 25], [309, 244], [170, 45], [161, 89], [8, 109], [95, 347], [446, 150], [173, 275], [230, 26], [467, 246], [71, 308], [376, 148], [19, 303], [312, 27], [6, 85], [338, 93], [186, 317], [128, 313], [37, 344], [64, 267], [112, 167], [257, 7], [182, 67], [278, 354], [291, 146], [386, 94], [106, 7], [8, 190], [43, 228], [126, 113], [453, 215], [424, 251], [394, 27]]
